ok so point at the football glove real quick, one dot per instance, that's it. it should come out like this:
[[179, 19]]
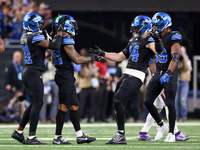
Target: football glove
[[61, 23], [96, 58], [165, 78], [155, 36], [97, 51]]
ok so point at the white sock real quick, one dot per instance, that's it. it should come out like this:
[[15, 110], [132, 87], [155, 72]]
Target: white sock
[[149, 122], [20, 132], [79, 133], [56, 136], [31, 137]]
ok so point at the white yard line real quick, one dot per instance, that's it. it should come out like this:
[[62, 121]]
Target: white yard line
[[96, 125]]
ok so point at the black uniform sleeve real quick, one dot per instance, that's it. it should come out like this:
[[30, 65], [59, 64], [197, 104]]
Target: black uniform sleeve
[[176, 37], [126, 50], [37, 38], [68, 40]]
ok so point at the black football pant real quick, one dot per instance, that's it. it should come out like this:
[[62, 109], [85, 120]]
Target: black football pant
[[126, 87], [32, 80], [153, 90]]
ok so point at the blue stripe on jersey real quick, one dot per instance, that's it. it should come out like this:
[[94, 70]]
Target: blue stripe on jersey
[[134, 43], [68, 41], [38, 38], [176, 37], [151, 39]]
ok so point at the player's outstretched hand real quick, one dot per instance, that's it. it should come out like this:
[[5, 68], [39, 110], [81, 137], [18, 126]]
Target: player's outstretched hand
[[165, 78], [97, 51], [155, 36], [53, 27], [61, 23]]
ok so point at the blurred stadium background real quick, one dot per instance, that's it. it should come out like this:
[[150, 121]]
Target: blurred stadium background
[[106, 23]]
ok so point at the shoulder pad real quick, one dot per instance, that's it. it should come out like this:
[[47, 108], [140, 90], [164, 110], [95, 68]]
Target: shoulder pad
[[23, 39], [68, 39], [38, 36], [151, 39], [176, 35]]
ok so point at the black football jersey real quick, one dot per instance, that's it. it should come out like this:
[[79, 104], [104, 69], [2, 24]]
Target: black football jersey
[[34, 55], [139, 57], [163, 60], [60, 57]]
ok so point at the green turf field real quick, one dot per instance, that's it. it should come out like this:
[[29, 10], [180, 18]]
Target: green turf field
[[103, 132]]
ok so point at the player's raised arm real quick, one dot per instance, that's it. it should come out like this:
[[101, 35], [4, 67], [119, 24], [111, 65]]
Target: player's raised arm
[[117, 57], [56, 42]]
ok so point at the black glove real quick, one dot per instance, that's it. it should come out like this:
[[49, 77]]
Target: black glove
[[96, 58], [53, 25], [61, 23], [97, 51], [155, 36]]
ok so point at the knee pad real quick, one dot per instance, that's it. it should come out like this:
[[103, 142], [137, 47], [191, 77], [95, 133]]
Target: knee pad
[[74, 107], [62, 107]]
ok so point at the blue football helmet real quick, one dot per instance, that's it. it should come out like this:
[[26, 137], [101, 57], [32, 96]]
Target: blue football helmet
[[161, 20], [70, 25], [33, 22], [141, 25]]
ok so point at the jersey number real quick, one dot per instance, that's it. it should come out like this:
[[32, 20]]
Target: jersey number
[[133, 51], [27, 55], [162, 58], [57, 57]]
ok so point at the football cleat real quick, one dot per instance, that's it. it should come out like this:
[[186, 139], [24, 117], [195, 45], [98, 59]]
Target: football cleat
[[85, 139], [143, 136], [180, 137], [118, 139], [161, 131], [17, 136], [60, 141], [170, 138], [34, 141]]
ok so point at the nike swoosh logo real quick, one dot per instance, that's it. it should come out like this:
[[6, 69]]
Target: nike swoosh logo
[[83, 138], [57, 142]]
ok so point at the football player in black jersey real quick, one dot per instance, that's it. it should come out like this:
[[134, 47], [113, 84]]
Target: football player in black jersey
[[140, 52], [63, 59], [166, 74], [34, 45]]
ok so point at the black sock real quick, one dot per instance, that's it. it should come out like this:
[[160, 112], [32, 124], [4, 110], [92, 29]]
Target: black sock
[[120, 114], [60, 119], [25, 117], [75, 119], [172, 119]]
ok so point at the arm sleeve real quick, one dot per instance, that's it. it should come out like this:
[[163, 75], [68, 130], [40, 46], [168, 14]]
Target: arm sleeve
[[126, 50], [56, 43]]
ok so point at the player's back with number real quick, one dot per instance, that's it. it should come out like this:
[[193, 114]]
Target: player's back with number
[[34, 55]]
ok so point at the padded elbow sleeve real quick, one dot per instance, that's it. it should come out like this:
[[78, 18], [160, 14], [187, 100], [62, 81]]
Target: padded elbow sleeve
[[55, 44], [175, 57], [159, 47]]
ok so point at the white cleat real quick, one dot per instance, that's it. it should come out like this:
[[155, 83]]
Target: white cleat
[[161, 131], [170, 138]]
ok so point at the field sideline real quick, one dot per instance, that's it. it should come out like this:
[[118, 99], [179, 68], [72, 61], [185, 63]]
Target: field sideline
[[103, 133]]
